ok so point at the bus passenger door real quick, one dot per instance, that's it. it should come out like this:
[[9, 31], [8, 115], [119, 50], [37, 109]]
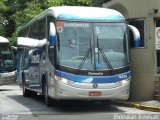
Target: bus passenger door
[[34, 69], [26, 65]]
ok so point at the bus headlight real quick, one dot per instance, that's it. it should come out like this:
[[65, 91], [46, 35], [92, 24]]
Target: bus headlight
[[64, 80], [124, 82]]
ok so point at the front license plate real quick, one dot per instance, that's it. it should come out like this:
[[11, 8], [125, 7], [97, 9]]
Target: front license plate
[[95, 93]]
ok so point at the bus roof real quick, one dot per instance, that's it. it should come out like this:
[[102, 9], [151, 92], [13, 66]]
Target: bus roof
[[86, 13], [3, 40], [79, 13]]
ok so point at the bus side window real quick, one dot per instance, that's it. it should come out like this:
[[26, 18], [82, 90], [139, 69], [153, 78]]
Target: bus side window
[[34, 31], [42, 29]]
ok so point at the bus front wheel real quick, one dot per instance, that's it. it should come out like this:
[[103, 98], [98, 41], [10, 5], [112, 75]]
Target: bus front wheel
[[47, 99]]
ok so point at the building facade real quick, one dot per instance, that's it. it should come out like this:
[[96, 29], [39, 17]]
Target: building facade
[[145, 61]]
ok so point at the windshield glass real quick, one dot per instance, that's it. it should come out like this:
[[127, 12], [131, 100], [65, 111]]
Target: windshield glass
[[92, 46], [110, 44], [6, 57]]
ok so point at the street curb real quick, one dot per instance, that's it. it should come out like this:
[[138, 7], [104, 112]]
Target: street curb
[[137, 105], [7, 82]]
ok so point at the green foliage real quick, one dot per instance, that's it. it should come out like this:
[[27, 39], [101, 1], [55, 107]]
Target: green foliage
[[2, 24], [3, 21], [50, 3], [16, 13], [98, 2], [2, 6]]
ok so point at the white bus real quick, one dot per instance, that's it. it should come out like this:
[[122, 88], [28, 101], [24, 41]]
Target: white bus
[[7, 63], [76, 53]]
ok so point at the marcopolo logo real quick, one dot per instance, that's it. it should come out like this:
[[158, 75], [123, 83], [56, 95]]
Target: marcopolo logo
[[95, 73], [95, 85]]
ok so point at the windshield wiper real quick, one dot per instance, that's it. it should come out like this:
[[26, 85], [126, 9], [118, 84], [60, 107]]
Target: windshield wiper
[[106, 61], [85, 57], [98, 50]]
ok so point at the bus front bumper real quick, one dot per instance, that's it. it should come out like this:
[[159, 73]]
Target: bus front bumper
[[64, 91]]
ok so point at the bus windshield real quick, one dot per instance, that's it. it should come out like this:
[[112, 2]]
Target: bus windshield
[[6, 57], [92, 46]]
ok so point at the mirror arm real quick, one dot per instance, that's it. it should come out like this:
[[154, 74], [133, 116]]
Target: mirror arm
[[136, 35], [52, 34]]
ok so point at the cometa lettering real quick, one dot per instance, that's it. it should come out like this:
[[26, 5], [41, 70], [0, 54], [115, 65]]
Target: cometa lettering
[[98, 73]]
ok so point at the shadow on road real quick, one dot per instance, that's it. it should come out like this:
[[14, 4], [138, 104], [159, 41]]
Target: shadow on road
[[36, 105]]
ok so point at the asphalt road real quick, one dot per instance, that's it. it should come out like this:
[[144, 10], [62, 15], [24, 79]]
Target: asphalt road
[[14, 105]]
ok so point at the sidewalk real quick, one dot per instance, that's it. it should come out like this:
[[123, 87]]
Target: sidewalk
[[152, 105]]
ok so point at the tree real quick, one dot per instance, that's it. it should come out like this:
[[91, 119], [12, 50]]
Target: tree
[[3, 21], [68, 2], [98, 2]]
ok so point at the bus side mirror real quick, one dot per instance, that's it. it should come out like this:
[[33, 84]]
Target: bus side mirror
[[52, 34], [136, 36], [14, 48]]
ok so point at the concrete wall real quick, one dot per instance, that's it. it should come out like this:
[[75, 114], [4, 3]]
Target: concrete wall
[[143, 60]]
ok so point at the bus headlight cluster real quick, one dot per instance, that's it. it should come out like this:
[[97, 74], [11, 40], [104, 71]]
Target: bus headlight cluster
[[124, 82], [64, 80]]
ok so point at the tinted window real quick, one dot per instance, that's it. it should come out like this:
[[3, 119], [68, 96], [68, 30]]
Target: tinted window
[[34, 31], [42, 29]]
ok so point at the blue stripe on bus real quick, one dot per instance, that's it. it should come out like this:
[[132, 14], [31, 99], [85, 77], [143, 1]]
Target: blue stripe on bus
[[93, 79]]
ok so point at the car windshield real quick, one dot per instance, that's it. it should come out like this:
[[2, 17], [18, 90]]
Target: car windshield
[[6, 57], [92, 46]]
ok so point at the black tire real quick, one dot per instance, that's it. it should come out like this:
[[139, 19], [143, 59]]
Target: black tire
[[26, 92], [47, 99]]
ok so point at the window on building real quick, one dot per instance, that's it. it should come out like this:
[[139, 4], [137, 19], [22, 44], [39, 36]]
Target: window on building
[[157, 45], [158, 59], [157, 23], [139, 24]]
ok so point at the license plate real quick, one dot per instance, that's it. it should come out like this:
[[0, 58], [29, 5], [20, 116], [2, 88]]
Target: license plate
[[95, 93]]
